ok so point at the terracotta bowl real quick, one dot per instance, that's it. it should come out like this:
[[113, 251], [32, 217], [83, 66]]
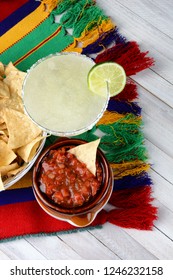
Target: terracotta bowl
[[82, 215]]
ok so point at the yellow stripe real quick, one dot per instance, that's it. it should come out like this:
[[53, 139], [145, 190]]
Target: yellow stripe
[[111, 117], [25, 26], [73, 47], [24, 182]]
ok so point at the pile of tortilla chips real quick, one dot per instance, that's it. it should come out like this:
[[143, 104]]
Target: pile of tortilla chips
[[19, 136]]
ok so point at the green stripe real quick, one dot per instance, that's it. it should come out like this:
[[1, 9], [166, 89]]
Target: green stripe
[[56, 44], [31, 40]]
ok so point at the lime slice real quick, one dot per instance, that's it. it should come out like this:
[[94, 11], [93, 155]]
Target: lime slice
[[106, 76]]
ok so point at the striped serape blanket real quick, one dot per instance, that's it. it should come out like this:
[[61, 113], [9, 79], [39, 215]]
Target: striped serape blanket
[[30, 30]]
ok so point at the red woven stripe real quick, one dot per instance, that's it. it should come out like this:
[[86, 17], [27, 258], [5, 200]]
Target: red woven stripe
[[8, 7], [28, 218]]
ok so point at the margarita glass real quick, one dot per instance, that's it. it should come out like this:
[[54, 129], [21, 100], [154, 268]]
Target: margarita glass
[[57, 98]]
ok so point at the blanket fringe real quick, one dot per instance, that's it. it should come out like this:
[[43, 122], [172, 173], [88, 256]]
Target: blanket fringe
[[131, 182], [129, 198], [141, 217], [111, 117], [104, 41], [132, 168], [124, 107], [134, 209], [129, 56], [50, 4], [129, 93]]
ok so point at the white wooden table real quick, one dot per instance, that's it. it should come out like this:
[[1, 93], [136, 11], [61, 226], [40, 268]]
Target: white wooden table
[[150, 23]]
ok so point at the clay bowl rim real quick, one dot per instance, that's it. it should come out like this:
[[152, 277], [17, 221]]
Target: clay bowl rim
[[72, 219], [107, 178]]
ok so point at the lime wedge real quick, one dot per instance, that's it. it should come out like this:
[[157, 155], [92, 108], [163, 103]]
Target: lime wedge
[[106, 76]]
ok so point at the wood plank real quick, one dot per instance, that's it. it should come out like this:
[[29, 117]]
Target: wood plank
[[159, 135], [165, 6], [154, 242], [161, 162], [121, 243], [88, 247], [165, 220], [3, 256], [163, 190], [20, 249], [155, 108], [153, 12], [156, 85], [53, 247]]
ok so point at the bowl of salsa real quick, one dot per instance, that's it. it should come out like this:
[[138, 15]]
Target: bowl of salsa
[[64, 186]]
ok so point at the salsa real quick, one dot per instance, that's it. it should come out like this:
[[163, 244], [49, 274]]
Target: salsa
[[66, 180]]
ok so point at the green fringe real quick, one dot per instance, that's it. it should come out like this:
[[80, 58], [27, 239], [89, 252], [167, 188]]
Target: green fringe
[[80, 15], [64, 6], [51, 233], [121, 141]]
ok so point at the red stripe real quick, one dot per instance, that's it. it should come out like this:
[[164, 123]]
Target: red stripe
[[10, 6], [28, 218]]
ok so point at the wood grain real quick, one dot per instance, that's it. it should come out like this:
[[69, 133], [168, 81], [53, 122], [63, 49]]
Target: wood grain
[[150, 23]]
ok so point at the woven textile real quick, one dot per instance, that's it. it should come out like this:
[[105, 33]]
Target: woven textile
[[33, 29]]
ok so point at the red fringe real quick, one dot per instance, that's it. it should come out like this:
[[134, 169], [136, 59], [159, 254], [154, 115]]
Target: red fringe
[[134, 209], [129, 93], [129, 56], [141, 217], [128, 198]]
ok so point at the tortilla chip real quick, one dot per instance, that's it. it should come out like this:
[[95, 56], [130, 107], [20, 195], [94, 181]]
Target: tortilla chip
[[10, 67], [7, 155], [14, 79], [3, 136], [1, 69], [3, 126], [4, 90], [2, 132], [7, 168], [20, 128], [86, 153], [16, 171], [13, 102], [1, 184], [17, 131], [28, 151]]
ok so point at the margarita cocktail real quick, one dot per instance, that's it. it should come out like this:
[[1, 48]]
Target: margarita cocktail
[[57, 98]]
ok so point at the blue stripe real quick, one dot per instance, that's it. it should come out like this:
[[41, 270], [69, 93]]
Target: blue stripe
[[18, 15], [16, 195], [129, 181], [122, 107], [26, 194]]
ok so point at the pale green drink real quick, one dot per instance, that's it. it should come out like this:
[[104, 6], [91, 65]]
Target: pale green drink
[[57, 98]]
